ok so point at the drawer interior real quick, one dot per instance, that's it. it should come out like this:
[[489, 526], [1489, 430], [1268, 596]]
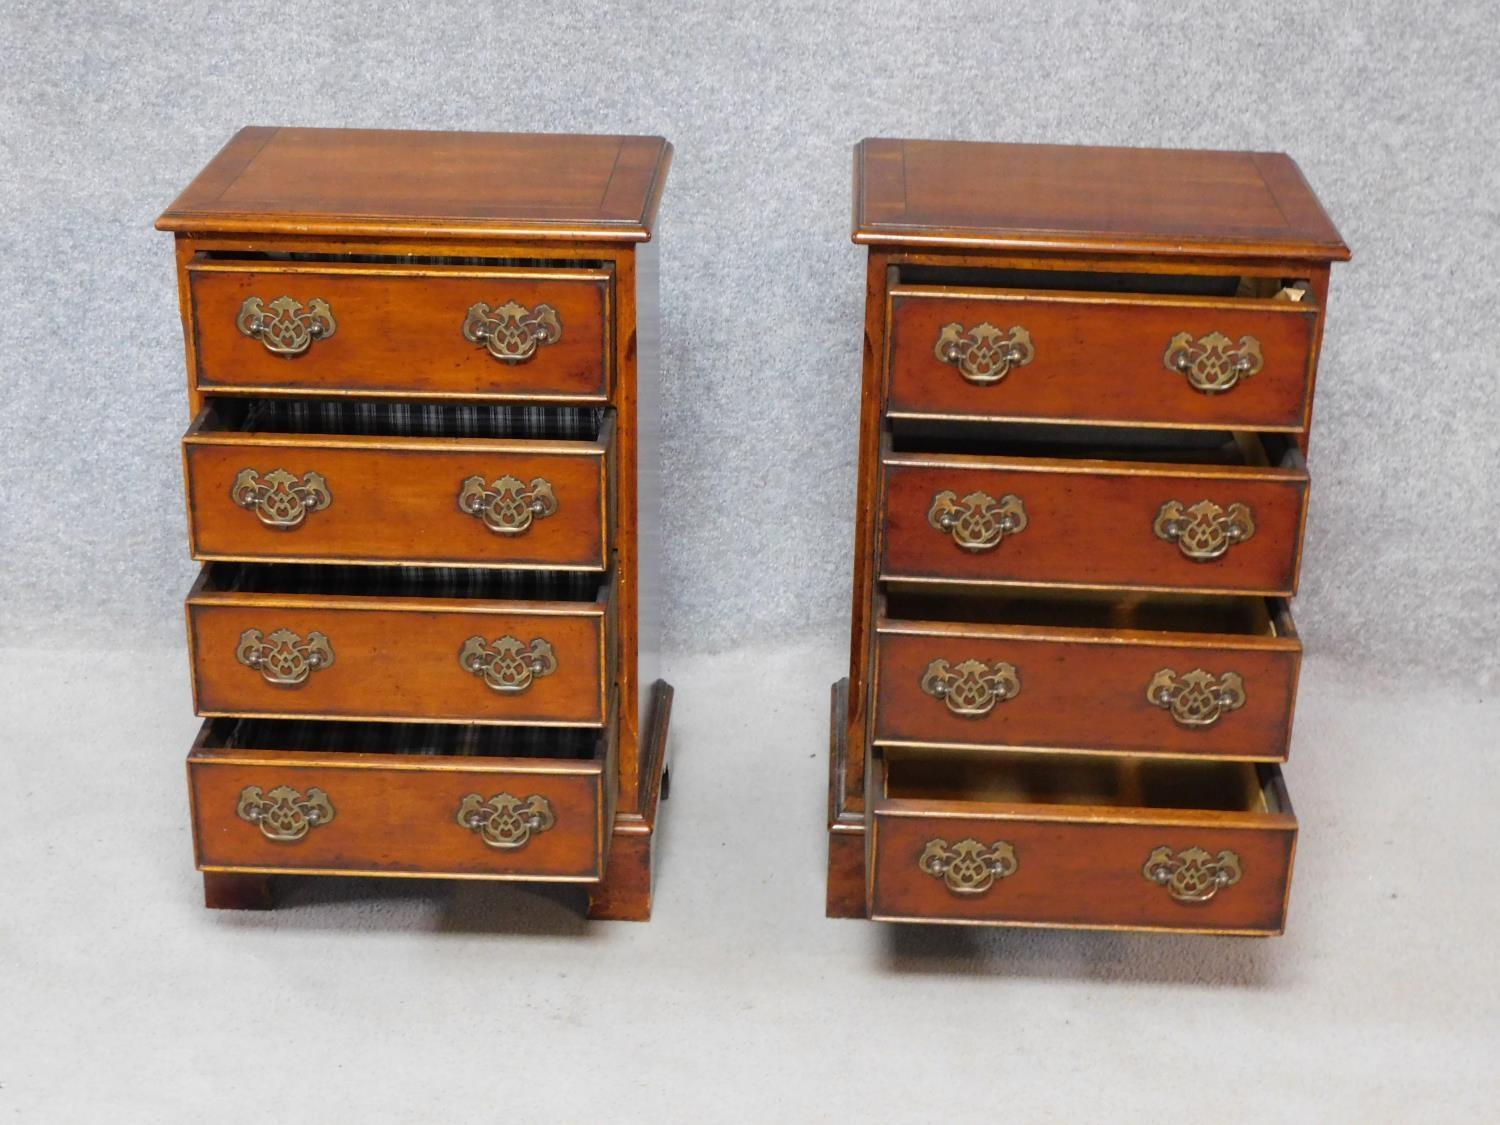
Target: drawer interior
[[1094, 443], [425, 740], [1245, 287], [1108, 782], [1090, 609], [253, 257], [369, 418], [404, 582]]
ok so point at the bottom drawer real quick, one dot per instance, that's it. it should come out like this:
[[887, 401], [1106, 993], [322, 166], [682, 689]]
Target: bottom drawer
[[1115, 843], [402, 799]]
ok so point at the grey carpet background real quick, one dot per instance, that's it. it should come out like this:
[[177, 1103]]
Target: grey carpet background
[[109, 109]]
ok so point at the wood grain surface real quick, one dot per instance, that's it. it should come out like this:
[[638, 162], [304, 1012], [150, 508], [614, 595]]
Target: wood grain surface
[[1100, 358], [399, 331]]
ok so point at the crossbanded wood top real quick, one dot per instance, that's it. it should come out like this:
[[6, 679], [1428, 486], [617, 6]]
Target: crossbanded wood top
[[372, 182], [1104, 200]]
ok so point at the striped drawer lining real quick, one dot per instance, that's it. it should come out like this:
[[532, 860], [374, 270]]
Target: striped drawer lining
[[428, 739], [406, 582], [409, 419]]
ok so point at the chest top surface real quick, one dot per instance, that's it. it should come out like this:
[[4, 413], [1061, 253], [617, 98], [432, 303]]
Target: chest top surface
[[976, 195], [375, 182]]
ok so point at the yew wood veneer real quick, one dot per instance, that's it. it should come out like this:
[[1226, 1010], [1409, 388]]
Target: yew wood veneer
[[422, 476], [1087, 391]]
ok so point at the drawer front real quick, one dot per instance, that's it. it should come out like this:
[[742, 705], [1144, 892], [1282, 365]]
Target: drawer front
[[1077, 690], [1090, 523], [374, 814], [1040, 866], [1080, 357], [1077, 874], [469, 662], [433, 501], [418, 332]]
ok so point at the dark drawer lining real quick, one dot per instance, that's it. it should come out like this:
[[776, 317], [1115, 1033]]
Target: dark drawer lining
[[1232, 285], [371, 418], [1086, 609], [406, 582], [271, 257], [439, 740], [1101, 443]]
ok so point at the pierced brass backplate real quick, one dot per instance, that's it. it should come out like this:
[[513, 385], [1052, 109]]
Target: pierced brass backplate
[[977, 522], [1193, 875], [505, 821], [279, 499], [286, 327], [984, 354], [1196, 699], [507, 665], [1213, 364], [507, 506], [1205, 531], [284, 658], [971, 688], [968, 867], [511, 332], [284, 814]]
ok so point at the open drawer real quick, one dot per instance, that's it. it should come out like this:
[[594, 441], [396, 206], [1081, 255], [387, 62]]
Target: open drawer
[[1115, 843], [411, 643], [402, 799], [374, 482], [1083, 672], [1089, 346], [404, 326], [1080, 507]]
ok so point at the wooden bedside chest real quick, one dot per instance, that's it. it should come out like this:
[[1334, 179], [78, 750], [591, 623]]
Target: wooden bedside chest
[[422, 478], [1088, 381]]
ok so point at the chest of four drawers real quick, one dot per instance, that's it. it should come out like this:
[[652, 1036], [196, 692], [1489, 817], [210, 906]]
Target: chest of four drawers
[[412, 477], [1082, 496]]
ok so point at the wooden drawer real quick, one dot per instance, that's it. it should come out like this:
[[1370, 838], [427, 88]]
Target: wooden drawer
[[1113, 843], [1172, 676], [412, 329], [387, 799], [1022, 353], [395, 483], [428, 644], [1169, 510]]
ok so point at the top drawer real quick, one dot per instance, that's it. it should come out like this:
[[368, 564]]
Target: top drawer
[[435, 330], [1162, 358]]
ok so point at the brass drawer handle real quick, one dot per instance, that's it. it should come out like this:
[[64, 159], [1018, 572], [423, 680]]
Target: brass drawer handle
[[1192, 876], [505, 821], [507, 665], [286, 327], [511, 332], [968, 867], [507, 506], [977, 522], [1196, 699], [971, 688], [284, 814], [284, 658], [984, 354], [1205, 531], [1214, 363], [279, 499]]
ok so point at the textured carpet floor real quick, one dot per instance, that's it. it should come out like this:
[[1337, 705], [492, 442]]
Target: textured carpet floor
[[121, 999]]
